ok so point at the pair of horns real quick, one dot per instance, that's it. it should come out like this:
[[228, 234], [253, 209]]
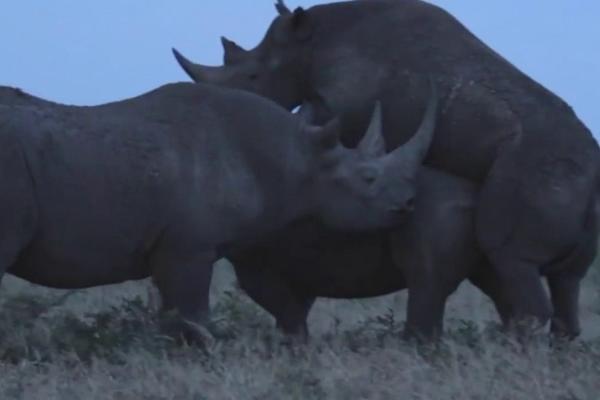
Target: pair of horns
[[234, 52], [408, 156], [412, 153]]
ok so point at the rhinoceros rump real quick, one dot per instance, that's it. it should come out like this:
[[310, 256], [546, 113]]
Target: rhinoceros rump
[[536, 162], [154, 185]]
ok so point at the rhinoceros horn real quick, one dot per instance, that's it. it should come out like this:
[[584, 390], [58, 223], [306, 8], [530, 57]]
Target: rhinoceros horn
[[282, 9], [233, 53], [201, 73], [373, 144], [412, 153]]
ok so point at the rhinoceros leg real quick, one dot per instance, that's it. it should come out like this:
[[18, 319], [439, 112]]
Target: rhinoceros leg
[[275, 294], [427, 280], [183, 276], [425, 311], [531, 211], [528, 304], [487, 281], [18, 212], [564, 279], [291, 318], [565, 298]]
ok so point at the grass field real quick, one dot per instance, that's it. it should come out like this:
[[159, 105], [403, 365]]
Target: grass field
[[104, 343]]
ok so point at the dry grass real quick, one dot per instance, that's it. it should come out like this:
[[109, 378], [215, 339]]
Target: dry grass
[[104, 344]]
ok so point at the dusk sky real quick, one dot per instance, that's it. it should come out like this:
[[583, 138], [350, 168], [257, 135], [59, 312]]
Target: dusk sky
[[90, 52]]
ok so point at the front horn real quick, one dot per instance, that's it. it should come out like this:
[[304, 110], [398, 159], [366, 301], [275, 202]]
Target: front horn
[[199, 73], [413, 152]]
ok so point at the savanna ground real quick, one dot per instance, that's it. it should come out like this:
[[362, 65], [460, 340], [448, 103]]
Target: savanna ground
[[104, 343]]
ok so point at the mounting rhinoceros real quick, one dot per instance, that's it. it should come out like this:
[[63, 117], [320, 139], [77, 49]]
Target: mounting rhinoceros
[[154, 185], [536, 161]]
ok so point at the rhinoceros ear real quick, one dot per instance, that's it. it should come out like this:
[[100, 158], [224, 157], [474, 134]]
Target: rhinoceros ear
[[301, 24], [293, 27], [373, 144], [281, 8], [232, 52]]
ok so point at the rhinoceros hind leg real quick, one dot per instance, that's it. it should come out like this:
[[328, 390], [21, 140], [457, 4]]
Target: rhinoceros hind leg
[[518, 237], [533, 208], [528, 302], [565, 298], [425, 311], [564, 279], [274, 293], [18, 211], [486, 280], [183, 278]]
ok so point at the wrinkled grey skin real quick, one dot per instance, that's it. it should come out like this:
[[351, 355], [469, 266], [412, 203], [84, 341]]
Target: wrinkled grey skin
[[157, 184], [430, 254], [535, 160]]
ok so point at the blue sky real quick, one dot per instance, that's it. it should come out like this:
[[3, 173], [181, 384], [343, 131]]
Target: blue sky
[[90, 52]]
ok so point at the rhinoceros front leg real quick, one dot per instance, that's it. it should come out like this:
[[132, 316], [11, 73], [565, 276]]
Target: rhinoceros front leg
[[183, 277], [275, 294]]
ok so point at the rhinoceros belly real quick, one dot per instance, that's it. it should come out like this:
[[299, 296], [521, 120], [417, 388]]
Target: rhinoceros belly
[[344, 266], [77, 246], [79, 264]]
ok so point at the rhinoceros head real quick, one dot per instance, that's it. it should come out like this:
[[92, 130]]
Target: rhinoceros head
[[372, 187], [274, 69]]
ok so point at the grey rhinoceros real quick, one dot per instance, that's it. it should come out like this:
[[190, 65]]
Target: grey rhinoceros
[[537, 163], [431, 253], [156, 184]]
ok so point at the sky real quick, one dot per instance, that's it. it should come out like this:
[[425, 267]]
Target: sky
[[91, 52]]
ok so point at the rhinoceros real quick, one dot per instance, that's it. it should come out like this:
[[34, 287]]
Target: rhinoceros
[[430, 253], [156, 185], [536, 162]]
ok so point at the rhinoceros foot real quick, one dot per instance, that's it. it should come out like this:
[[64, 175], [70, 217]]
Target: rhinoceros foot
[[185, 331]]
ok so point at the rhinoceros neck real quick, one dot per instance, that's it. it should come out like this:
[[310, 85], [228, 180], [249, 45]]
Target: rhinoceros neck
[[261, 161], [258, 183], [281, 177]]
